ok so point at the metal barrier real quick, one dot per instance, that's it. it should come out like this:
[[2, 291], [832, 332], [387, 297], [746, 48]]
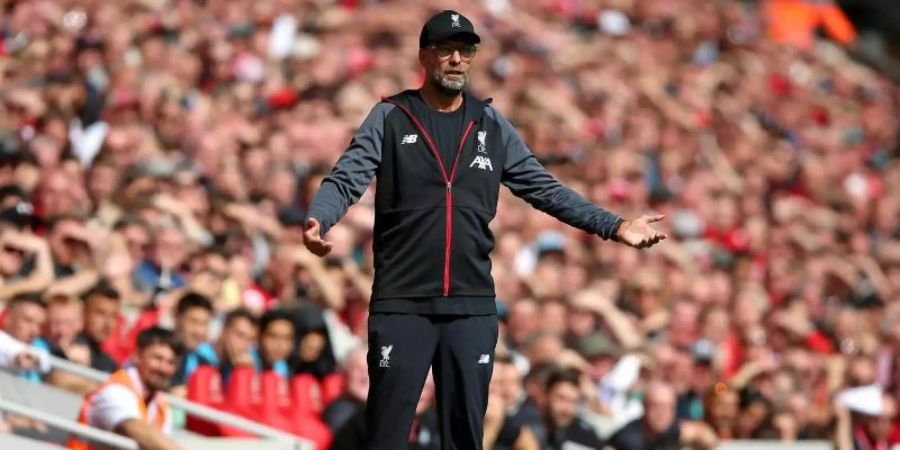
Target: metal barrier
[[195, 409], [83, 431], [775, 445]]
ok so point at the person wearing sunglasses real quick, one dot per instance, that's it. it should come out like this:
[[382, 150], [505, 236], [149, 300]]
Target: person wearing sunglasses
[[440, 155]]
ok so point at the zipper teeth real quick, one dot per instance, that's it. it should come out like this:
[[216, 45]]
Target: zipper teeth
[[448, 240], [447, 251]]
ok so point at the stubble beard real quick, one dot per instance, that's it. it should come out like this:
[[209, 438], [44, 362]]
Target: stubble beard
[[446, 86]]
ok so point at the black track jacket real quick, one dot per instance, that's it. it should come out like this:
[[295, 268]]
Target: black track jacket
[[431, 236]]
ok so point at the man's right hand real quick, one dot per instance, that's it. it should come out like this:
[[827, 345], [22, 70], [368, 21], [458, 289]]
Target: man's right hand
[[313, 239]]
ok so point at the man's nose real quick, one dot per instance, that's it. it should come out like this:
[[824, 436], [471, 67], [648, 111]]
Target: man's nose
[[455, 57]]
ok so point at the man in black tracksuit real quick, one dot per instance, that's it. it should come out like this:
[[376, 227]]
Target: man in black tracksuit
[[439, 156]]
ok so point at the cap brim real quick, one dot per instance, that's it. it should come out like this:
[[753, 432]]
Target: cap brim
[[465, 36]]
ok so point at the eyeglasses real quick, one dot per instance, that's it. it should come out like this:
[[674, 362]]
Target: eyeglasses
[[466, 52]]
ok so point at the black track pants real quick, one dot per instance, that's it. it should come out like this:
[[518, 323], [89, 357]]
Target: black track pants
[[460, 350]]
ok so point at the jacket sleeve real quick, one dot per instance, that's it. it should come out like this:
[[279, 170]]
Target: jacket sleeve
[[353, 171], [528, 179]]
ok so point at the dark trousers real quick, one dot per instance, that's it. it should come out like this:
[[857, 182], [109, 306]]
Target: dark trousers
[[460, 350]]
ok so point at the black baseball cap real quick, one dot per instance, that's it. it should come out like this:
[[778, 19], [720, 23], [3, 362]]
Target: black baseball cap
[[445, 25]]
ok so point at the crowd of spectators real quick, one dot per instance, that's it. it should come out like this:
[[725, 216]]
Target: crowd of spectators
[[156, 158]]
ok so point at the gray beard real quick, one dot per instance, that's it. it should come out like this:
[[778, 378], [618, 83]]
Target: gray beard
[[446, 86]]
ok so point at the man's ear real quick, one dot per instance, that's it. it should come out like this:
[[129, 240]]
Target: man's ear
[[422, 57]]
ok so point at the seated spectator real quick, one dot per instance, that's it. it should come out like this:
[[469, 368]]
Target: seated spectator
[[565, 430], [276, 339], [193, 314], [505, 425], [356, 391], [234, 347], [26, 264], [65, 317], [25, 319], [659, 427], [102, 306], [160, 270], [20, 357], [69, 244], [423, 435], [130, 401], [312, 343]]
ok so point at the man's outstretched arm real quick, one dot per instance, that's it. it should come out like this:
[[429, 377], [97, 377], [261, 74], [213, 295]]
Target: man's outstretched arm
[[527, 178], [348, 179]]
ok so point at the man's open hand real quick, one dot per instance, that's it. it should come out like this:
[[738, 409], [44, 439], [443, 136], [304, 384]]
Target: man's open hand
[[639, 233], [313, 239]]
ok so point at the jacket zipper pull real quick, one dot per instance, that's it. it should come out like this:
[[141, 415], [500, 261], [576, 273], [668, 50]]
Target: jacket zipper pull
[[449, 186]]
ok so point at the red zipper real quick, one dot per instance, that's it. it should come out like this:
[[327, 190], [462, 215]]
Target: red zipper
[[450, 209], [448, 180]]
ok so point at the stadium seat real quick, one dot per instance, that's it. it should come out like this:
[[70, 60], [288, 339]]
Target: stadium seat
[[310, 426], [205, 387], [275, 402], [332, 387], [241, 398], [306, 394]]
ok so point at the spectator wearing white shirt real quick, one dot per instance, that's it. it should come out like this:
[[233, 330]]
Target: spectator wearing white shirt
[[19, 356], [24, 322], [130, 401]]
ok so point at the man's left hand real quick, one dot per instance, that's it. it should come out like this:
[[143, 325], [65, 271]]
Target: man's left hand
[[639, 233]]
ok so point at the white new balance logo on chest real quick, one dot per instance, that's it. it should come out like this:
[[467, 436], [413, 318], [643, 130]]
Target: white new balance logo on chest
[[409, 139], [483, 162]]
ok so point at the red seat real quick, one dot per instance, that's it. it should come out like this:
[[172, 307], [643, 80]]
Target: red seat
[[308, 425], [332, 388], [306, 395], [242, 398], [275, 403], [205, 387]]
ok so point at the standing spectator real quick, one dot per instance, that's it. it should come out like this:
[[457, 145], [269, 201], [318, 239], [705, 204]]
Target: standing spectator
[[130, 401]]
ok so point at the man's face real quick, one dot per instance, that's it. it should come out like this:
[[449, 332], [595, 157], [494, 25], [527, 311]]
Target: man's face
[[508, 382], [25, 322], [156, 364], [276, 340], [169, 250], [67, 242], [239, 335], [192, 327], [659, 407], [137, 240], [562, 404], [447, 65], [64, 322], [100, 317], [357, 375], [523, 320]]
